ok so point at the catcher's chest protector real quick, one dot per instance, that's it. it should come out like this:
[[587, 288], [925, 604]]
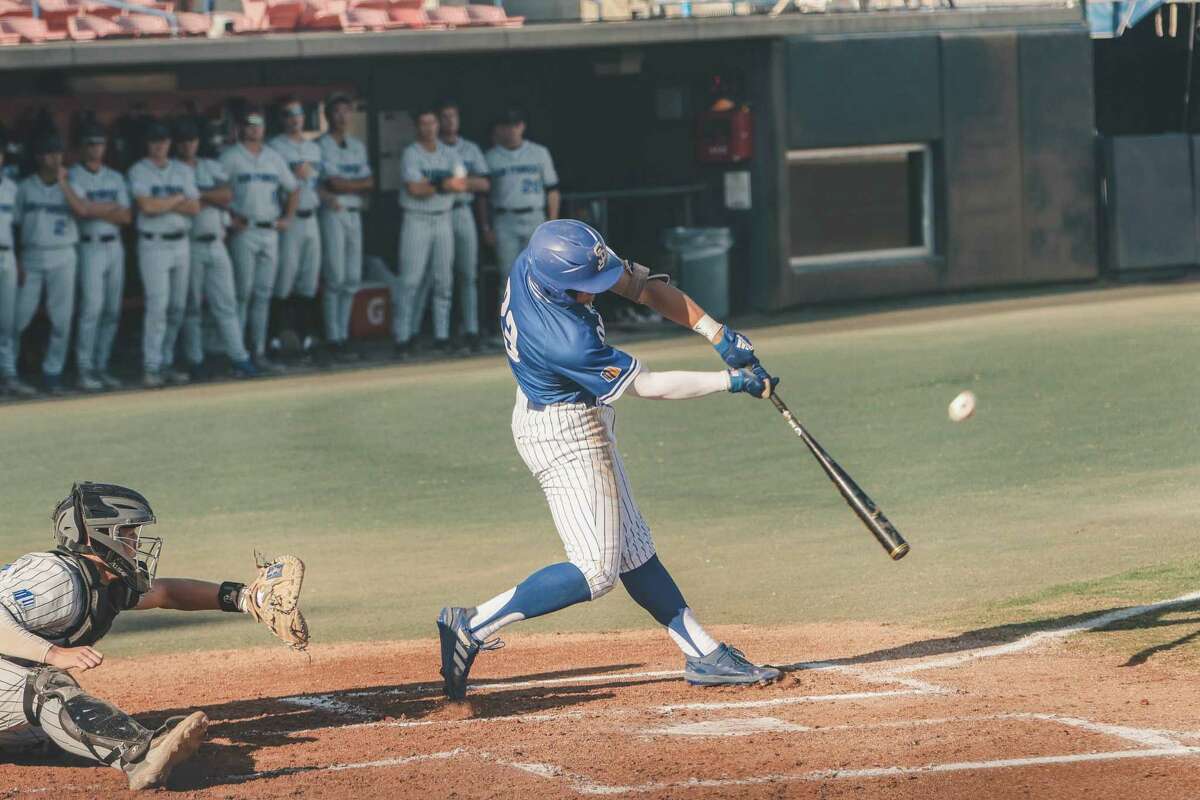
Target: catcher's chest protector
[[103, 603]]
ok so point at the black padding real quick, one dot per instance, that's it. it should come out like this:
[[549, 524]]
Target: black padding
[[846, 91], [1058, 154], [1150, 216]]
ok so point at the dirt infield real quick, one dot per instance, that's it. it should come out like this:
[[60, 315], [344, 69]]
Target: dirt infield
[[864, 711]]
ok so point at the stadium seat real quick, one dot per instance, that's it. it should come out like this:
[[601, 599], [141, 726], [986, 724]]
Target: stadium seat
[[192, 23], [412, 18], [9, 38], [30, 30], [284, 15], [140, 25], [254, 13], [493, 16], [100, 10], [8, 8], [361, 20], [55, 13], [453, 16], [86, 27], [322, 15]]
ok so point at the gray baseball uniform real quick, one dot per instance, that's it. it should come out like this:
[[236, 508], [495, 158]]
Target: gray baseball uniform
[[466, 238], [101, 269], [211, 278], [300, 244], [341, 233], [8, 280], [163, 257], [426, 239], [257, 180], [520, 180], [48, 239]]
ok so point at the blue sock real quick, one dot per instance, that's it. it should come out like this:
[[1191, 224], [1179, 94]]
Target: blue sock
[[547, 590], [653, 588]]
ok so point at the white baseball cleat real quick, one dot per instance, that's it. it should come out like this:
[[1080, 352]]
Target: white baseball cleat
[[169, 748]]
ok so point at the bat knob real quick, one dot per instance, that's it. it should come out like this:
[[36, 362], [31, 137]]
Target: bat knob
[[899, 552]]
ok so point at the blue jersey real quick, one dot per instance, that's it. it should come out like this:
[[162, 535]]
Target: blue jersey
[[556, 348]]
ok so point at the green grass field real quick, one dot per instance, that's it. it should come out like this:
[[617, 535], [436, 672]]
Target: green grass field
[[402, 490]]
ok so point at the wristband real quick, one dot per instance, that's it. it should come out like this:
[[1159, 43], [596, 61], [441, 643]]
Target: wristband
[[228, 594], [708, 327]]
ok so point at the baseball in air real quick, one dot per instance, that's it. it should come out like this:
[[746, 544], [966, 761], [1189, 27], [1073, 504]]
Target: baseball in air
[[962, 406]]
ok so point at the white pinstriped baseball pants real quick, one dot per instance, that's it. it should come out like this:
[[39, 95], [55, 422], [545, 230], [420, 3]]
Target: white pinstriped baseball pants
[[571, 448], [16, 733]]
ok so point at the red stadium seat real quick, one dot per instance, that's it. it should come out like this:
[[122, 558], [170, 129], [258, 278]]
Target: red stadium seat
[[452, 16], [360, 20], [86, 27], [193, 24], [100, 10], [9, 8], [254, 14], [493, 16], [55, 13], [30, 30], [412, 18], [323, 15], [140, 25], [284, 15]]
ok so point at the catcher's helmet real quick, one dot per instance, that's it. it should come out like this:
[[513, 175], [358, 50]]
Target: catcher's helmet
[[106, 520], [569, 255]]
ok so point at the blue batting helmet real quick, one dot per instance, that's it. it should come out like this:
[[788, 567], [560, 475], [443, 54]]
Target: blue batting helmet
[[566, 254]]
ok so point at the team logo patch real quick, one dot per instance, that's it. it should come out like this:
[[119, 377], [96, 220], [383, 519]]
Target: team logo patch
[[601, 254], [610, 374], [24, 598], [274, 571]]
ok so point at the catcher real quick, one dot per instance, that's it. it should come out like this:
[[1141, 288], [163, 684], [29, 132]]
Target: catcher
[[55, 606]]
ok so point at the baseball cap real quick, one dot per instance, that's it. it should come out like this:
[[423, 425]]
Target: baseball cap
[[337, 98], [511, 116], [50, 142], [186, 129], [92, 133], [156, 132]]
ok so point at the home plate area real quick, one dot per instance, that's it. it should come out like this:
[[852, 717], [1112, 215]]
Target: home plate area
[[889, 712]]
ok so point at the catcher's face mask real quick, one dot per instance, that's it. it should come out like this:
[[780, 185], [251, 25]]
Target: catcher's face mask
[[129, 554]]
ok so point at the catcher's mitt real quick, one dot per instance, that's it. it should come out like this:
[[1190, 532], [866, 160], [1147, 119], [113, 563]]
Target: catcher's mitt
[[274, 597]]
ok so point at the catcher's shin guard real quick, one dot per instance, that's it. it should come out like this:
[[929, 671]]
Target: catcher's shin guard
[[81, 724]]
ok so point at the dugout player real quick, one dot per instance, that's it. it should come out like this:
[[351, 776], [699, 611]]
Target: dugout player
[[101, 259], [524, 187], [433, 177], [563, 424], [300, 243], [345, 178], [10, 383], [167, 200], [46, 209], [265, 197], [56, 605]]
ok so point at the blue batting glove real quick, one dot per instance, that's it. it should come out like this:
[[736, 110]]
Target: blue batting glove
[[735, 349], [754, 382]]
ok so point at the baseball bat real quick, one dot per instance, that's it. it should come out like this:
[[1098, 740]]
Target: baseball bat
[[858, 500]]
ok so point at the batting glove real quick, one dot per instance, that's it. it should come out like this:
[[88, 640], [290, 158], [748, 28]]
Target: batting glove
[[754, 382], [735, 349]]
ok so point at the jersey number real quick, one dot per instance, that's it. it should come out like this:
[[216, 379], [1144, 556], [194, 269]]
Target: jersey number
[[508, 326], [530, 185], [60, 226]]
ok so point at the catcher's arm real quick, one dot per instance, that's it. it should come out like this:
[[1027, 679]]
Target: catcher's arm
[[181, 594]]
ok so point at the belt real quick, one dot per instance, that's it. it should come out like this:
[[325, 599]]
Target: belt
[[166, 237], [516, 210], [352, 209], [263, 225], [4, 248], [205, 238], [426, 213], [305, 214], [105, 239], [462, 204]]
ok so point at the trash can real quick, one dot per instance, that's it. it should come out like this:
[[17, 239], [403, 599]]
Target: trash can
[[703, 258]]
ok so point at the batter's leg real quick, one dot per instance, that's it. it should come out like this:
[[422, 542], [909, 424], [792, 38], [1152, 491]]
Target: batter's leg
[[110, 315]]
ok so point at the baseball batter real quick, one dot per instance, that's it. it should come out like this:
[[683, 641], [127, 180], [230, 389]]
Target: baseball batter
[[55, 606], [346, 176], [524, 189], [463, 222], [433, 176], [300, 243], [46, 207], [258, 176], [210, 277], [167, 200], [101, 260], [568, 377], [9, 382]]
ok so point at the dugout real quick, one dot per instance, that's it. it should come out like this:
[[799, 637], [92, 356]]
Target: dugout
[[893, 153]]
